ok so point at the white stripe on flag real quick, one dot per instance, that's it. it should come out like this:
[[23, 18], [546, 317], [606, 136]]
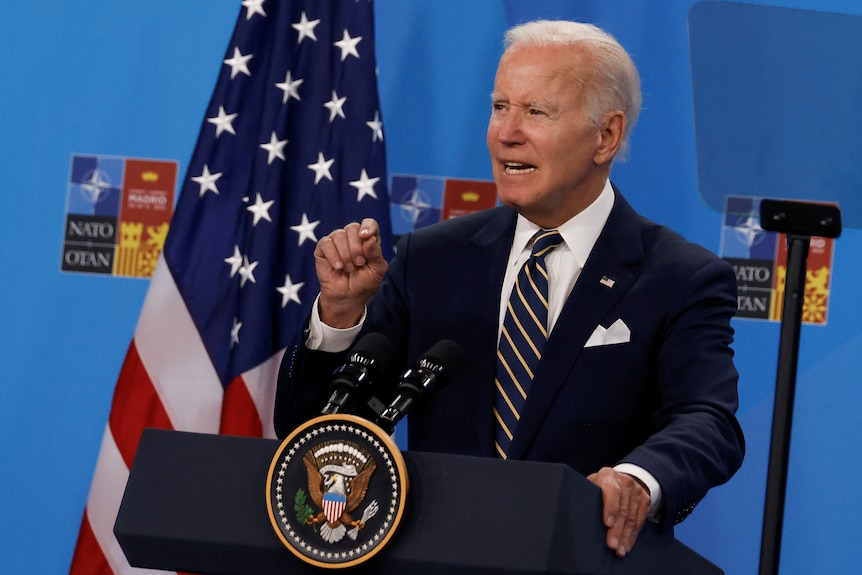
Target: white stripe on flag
[[260, 382], [173, 354], [106, 493]]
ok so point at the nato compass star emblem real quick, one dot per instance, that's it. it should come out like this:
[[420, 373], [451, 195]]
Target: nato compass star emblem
[[95, 186], [748, 230], [414, 205], [336, 490]]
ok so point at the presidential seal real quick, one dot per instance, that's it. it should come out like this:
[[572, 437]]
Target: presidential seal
[[335, 490]]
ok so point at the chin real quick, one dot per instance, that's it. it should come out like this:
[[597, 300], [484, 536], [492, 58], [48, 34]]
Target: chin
[[507, 201], [513, 199]]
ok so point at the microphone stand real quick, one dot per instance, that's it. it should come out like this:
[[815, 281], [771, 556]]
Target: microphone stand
[[799, 221]]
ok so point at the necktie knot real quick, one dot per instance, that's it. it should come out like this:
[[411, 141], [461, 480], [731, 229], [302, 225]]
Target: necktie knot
[[545, 241]]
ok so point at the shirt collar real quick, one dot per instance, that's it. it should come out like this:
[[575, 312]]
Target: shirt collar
[[579, 232]]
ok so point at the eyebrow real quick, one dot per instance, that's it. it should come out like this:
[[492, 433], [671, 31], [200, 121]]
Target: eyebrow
[[531, 104]]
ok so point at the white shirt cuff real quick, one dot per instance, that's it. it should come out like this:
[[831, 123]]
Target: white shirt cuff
[[648, 480], [322, 337]]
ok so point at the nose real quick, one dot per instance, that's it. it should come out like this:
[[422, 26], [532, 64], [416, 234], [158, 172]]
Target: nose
[[506, 126]]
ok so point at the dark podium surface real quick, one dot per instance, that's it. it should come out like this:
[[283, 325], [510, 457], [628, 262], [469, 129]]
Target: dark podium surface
[[197, 503]]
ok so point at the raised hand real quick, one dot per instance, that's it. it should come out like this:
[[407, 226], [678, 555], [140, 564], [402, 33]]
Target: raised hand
[[350, 267]]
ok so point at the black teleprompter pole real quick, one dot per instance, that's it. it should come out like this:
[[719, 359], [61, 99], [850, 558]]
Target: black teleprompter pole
[[782, 415], [799, 221]]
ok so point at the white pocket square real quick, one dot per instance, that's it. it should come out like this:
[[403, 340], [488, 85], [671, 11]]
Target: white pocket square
[[619, 332]]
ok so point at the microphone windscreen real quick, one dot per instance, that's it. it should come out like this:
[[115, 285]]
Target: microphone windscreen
[[374, 346], [448, 354]]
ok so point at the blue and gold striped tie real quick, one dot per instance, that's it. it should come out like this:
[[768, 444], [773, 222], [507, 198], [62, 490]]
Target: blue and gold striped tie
[[525, 330]]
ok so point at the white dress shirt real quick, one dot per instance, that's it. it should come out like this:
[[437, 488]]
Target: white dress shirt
[[564, 264]]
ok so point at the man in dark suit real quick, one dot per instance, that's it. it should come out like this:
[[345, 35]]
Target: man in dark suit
[[635, 387]]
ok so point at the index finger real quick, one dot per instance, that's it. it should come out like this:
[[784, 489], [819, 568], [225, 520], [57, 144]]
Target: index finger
[[369, 236], [369, 228]]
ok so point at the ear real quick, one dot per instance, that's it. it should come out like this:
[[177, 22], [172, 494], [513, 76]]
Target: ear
[[612, 128]]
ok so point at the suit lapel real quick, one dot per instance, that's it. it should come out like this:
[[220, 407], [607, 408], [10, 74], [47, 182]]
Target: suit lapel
[[614, 257], [488, 255]]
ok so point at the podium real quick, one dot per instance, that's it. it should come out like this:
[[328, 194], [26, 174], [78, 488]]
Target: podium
[[197, 503]]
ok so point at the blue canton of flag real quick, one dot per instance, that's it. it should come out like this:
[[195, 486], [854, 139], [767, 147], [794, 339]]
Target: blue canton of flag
[[291, 149]]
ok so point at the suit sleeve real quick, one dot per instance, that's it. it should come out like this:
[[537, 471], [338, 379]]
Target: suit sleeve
[[302, 387], [698, 443]]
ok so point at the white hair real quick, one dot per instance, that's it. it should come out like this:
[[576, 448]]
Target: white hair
[[617, 84]]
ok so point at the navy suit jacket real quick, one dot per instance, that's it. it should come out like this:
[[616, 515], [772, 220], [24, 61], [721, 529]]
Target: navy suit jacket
[[665, 400]]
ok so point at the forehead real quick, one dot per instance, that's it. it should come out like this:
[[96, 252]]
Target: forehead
[[543, 68]]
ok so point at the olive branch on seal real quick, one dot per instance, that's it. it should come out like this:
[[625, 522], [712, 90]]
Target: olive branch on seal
[[301, 507]]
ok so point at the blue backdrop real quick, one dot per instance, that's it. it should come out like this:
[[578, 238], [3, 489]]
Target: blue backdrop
[[134, 79]]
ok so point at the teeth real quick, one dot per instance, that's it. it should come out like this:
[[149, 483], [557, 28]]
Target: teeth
[[517, 168]]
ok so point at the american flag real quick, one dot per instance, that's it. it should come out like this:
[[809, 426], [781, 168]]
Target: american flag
[[291, 148]]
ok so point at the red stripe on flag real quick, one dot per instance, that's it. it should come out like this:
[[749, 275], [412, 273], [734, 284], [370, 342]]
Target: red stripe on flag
[[239, 414], [88, 558], [136, 405]]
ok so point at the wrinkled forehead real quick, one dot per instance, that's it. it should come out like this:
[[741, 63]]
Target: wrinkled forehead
[[558, 67]]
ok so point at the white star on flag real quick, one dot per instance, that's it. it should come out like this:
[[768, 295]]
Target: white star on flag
[[305, 27], [348, 45], [235, 261], [246, 271], [321, 168], [335, 106], [305, 230], [260, 209], [275, 148], [290, 87], [238, 64], [253, 7], [223, 122], [234, 332], [290, 291], [376, 127], [365, 186], [207, 181]]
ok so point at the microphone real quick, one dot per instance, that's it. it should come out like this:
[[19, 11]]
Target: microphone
[[367, 359], [432, 372]]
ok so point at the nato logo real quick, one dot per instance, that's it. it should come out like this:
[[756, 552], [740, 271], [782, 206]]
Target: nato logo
[[759, 259], [415, 202], [117, 214], [95, 185]]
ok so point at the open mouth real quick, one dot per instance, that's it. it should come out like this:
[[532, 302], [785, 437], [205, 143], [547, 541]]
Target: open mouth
[[518, 168]]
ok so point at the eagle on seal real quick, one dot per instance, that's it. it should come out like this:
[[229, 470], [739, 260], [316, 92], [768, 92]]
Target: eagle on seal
[[337, 488]]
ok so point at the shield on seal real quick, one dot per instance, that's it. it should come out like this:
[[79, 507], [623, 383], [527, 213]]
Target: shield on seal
[[333, 506]]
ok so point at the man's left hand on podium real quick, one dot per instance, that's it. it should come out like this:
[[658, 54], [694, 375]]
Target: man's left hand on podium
[[626, 504]]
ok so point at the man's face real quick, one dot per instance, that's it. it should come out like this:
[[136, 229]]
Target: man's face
[[543, 146]]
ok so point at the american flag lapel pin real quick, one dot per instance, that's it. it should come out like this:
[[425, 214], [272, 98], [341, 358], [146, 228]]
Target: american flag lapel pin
[[606, 281]]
